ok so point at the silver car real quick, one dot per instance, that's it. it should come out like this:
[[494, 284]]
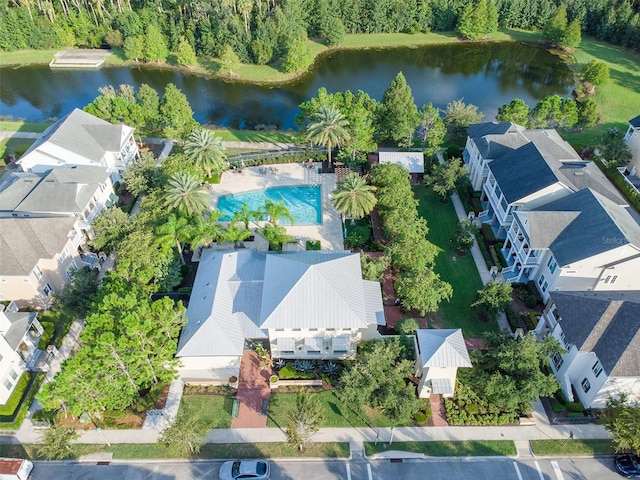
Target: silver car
[[249, 469]]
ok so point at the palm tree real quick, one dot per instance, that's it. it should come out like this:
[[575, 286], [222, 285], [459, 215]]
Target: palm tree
[[274, 211], [235, 234], [173, 229], [185, 194], [206, 150], [329, 128], [204, 230], [245, 215], [353, 197]]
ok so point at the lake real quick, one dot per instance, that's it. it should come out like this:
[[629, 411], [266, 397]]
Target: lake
[[487, 75]]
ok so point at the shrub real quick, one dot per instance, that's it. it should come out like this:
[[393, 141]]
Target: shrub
[[531, 287], [512, 319], [407, 326], [289, 373], [483, 249], [304, 366], [12, 404], [420, 418], [47, 335], [477, 205], [487, 233], [313, 244], [355, 240], [531, 301]]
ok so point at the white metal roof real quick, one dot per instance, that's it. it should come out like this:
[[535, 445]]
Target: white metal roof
[[442, 348], [412, 161]]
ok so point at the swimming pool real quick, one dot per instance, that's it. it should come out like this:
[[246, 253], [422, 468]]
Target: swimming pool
[[304, 202]]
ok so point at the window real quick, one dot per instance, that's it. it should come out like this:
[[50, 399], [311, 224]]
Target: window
[[586, 386], [552, 265], [541, 281], [13, 374], [7, 384], [597, 369], [47, 289], [613, 280], [557, 361], [606, 280], [498, 192], [37, 272], [62, 256], [545, 285], [563, 338], [504, 204]]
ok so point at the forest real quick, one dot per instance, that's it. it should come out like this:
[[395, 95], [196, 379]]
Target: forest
[[275, 31]]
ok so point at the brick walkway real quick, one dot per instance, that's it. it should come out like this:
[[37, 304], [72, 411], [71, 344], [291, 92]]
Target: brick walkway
[[438, 416], [253, 391]]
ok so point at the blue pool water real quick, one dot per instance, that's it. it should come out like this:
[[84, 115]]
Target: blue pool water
[[304, 203]]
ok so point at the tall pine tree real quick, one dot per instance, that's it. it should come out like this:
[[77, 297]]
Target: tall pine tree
[[399, 113]]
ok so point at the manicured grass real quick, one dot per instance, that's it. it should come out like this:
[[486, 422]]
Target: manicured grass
[[255, 136], [27, 57], [572, 447], [619, 99], [21, 126], [216, 409], [476, 448], [461, 273], [60, 320], [13, 145], [335, 413]]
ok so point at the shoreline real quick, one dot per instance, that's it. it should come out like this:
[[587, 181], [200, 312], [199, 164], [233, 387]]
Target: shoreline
[[268, 75]]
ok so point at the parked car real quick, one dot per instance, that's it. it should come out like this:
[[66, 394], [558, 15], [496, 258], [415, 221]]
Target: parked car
[[628, 465], [244, 469]]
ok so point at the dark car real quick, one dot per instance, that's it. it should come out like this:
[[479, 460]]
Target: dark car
[[628, 465]]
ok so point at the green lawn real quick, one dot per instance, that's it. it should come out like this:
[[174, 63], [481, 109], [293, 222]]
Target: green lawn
[[335, 414], [16, 146], [227, 135], [475, 448], [22, 126], [619, 99], [216, 409], [572, 447], [461, 273]]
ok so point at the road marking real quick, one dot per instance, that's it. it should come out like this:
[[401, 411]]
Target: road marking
[[539, 471], [515, 465], [348, 472], [556, 470], [369, 471]]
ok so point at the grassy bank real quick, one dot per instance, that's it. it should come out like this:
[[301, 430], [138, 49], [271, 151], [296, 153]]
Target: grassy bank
[[475, 448], [572, 447], [459, 271]]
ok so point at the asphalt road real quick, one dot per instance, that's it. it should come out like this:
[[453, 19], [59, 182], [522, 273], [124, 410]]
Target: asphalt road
[[437, 469]]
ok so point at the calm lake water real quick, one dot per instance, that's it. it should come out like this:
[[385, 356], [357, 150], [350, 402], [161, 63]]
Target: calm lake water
[[487, 75]]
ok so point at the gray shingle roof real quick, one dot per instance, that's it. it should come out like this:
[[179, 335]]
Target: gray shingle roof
[[496, 139], [635, 122], [581, 225], [24, 241], [442, 348], [241, 294], [20, 324], [58, 191], [83, 134], [607, 323]]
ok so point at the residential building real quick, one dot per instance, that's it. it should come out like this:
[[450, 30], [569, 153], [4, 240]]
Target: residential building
[[439, 354], [19, 335], [600, 332], [82, 139], [37, 257], [309, 304], [580, 242], [632, 138], [535, 174]]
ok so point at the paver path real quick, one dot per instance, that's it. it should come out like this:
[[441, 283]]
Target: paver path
[[437, 411], [253, 391]]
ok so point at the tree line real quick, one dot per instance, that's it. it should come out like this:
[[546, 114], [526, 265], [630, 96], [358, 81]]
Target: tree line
[[275, 31]]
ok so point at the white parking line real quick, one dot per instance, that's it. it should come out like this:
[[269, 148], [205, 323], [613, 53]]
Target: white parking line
[[348, 472], [539, 470], [369, 471], [556, 470], [515, 465]]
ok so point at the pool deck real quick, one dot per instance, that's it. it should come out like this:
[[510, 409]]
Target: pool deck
[[289, 174]]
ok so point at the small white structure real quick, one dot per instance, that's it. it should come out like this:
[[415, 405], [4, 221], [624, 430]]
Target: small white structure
[[308, 304], [439, 354], [82, 139], [632, 138], [412, 161]]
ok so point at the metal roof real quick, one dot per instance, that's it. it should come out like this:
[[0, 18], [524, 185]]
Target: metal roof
[[442, 348], [412, 161]]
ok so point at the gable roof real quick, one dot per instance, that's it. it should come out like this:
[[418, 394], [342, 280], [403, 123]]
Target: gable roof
[[20, 324], [635, 122], [573, 227], [412, 161], [606, 323], [83, 134], [496, 139], [58, 191], [24, 241], [241, 294], [442, 348]]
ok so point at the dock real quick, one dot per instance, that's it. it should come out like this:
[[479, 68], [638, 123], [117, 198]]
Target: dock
[[81, 58]]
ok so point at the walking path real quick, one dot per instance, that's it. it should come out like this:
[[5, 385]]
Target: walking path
[[253, 393], [438, 414]]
